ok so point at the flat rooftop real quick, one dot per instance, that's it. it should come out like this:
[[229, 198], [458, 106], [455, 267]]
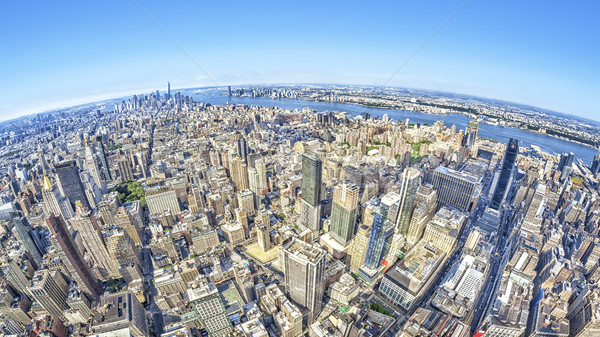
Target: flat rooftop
[[417, 267], [306, 251], [459, 174]]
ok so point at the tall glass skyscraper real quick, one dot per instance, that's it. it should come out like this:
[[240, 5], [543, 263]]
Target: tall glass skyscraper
[[343, 212], [381, 228], [311, 191], [471, 134], [409, 184], [311, 178]]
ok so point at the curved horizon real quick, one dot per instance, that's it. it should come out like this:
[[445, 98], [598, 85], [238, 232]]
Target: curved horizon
[[147, 90]]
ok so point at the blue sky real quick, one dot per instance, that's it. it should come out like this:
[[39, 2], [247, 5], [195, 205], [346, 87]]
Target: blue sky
[[543, 53]]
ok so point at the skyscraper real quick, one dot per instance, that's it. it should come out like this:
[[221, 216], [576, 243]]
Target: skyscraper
[[125, 171], [50, 289], [425, 201], [54, 202], [23, 230], [89, 229], [304, 270], [311, 178], [42, 159], [343, 212], [168, 90], [311, 189], [409, 184], [471, 134], [239, 173], [102, 155], [120, 247], [246, 201], [455, 188], [381, 229], [70, 182], [263, 236], [124, 220], [506, 174], [596, 165], [261, 169], [208, 308], [358, 248], [241, 147], [92, 167], [565, 163], [75, 265], [120, 311], [254, 185]]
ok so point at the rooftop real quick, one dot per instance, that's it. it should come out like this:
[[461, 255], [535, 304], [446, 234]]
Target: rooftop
[[305, 251]]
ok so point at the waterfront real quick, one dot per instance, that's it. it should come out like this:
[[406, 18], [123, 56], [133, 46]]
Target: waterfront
[[546, 143]]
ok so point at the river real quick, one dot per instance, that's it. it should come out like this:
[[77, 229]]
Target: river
[[546, 143]]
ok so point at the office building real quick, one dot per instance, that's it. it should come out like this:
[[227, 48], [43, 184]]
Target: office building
[[506, 174], [88, 227], [123, 219], [263, 236], [120, 314], [76, 266], [311, 178], [358, 248], [409, 184], [261, 169], [532, 223], [471, 134], [70, 183], [54, 202], [565, 164], [241, 147], [79, 305], [382, 230], [595, 165], [304, 270], [207, 310], [343, 212], [120, 247], [425, 205], [246, 201], [92, 167], [125, 172], [443, 230], [584, 315], [50, 289], [102, 156], [239, 173], [455, 188], [162, 200], [19, 272], [411, 277], [311, 191], [23, 230]]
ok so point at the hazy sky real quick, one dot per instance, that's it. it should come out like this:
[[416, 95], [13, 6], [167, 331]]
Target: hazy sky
[[543, 53]]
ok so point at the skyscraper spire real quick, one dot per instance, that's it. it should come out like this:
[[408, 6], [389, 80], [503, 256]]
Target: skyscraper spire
[[47, 182]]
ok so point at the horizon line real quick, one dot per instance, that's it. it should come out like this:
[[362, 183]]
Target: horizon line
[[113, 96]]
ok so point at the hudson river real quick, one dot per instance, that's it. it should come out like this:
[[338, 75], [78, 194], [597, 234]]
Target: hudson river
[[501, 134]]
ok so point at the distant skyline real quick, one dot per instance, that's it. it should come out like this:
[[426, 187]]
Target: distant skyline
[[539, 54]]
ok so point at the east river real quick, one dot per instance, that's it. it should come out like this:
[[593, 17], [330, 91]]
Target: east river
[[546, 143]]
